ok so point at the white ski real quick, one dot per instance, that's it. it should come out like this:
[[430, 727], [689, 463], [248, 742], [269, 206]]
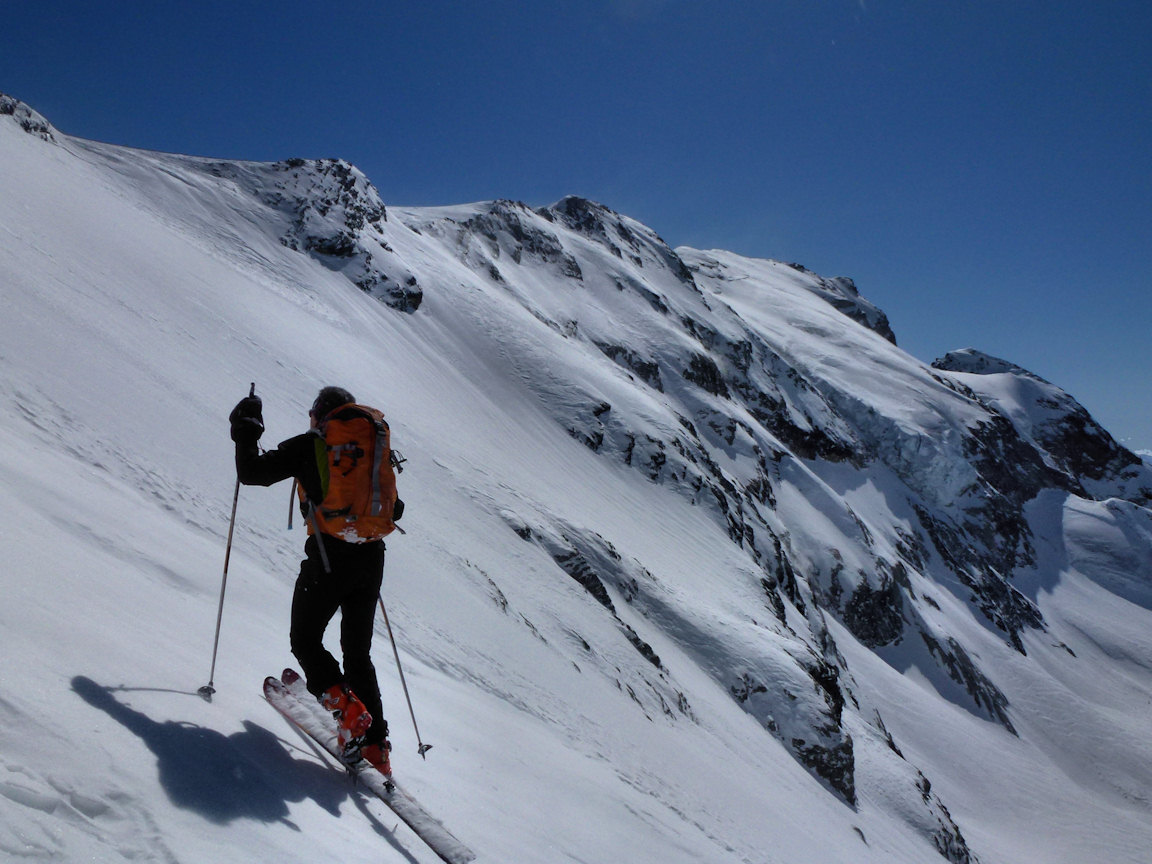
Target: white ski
[[288, 695]]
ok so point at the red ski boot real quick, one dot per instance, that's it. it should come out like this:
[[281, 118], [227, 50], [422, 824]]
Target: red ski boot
[[377, 756], [352, 718]]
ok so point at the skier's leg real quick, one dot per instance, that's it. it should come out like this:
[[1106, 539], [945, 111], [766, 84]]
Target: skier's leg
[[358, 614], [314, 603]]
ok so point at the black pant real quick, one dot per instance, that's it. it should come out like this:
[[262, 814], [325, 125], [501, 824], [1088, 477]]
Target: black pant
[[352, 587]]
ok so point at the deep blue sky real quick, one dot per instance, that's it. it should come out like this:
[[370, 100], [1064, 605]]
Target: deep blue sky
[[981, 168]]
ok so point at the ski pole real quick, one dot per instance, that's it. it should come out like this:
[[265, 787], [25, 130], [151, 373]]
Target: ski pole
[[422, 748], [208, 689]]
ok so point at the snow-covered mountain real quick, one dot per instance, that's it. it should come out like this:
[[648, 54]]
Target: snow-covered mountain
[[700, 566]]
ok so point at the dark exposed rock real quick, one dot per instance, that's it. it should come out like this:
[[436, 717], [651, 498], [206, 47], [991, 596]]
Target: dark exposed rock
[[703, 371], [964, 672], [27, 119], [875, 615], [841, 293], [991, 592], [775, 602], [577, 566], [948, 839], [589, 567], [335, 215], [1072, 446], [625, 239], [834, 764], [509, 230], [647, 370]]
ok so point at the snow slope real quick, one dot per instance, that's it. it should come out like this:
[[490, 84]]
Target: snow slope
[[699, 566]]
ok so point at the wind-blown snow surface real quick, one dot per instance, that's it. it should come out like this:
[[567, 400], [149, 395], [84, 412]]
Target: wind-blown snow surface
[[699, 566]]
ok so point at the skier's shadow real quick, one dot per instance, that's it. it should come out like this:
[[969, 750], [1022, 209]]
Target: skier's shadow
[[246, 775], [222, 778]]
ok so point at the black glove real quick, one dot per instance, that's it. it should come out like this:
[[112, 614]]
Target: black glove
[[247, 420]]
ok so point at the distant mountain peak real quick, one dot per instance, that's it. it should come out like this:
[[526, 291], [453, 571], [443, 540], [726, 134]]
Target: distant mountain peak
[[1084, 456], [974, 362], [28, 119], [624, 237]]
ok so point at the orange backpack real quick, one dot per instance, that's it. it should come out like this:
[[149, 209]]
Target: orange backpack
[[354, 455]]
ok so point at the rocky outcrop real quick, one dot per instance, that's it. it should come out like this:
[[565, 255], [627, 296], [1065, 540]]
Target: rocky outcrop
[[1079, 452], [337, 216], [26, 118], [332, 212]]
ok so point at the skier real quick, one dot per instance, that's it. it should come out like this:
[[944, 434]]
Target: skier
[[338, 573]]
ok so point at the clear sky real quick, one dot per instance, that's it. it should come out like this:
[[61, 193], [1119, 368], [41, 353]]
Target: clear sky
[[981, 168]]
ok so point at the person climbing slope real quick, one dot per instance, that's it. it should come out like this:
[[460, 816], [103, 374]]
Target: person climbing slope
[[343, 468]]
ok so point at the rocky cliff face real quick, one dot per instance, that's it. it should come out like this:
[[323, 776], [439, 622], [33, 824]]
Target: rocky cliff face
[[763, 393], [335, 214], [769, 396], [1082, 455]]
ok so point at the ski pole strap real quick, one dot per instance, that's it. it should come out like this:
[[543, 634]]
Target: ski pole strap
[[292, 502]]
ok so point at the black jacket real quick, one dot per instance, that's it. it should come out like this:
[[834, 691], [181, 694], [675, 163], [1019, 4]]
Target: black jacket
[[295, 457]]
